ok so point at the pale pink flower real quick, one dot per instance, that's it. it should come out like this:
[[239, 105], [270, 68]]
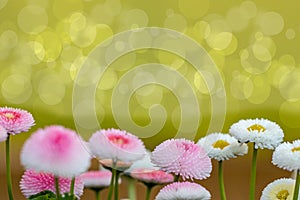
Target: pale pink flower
[[152, 176], [117, 145], [183, 191], [56, 150], [3, 134], [35, 182], [15, 120], [182, 157], [96, 179], [144, 163]]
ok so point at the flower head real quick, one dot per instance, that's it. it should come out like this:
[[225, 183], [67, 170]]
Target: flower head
[[15, 120], [56, 150], [281, 189], [35, 182], [287, 156], [144, 163], [96, 179], [183, 191], [3, 134], [116, 145], [264, 133], [222, 146], [182, 157], [152, 176], [145, 171]]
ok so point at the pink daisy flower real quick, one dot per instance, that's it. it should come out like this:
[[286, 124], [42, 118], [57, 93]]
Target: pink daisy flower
[[183, 190], [96, 179], [117, 145], [56, 150], [3, 134], [152, 176], [182, 157], [15, 120], [35, 182]]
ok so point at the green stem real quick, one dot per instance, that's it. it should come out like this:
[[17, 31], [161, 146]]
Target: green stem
[[57, 187], [97, 193], [131, 189], [72, 187], [111, 187], [149, 188], [297, 184], [117, 185], [253, 174], [221, 181], [8, 172], [176, 178]]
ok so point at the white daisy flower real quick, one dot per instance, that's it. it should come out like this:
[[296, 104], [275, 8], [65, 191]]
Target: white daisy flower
[[281, 189], [263, 132], [287, 156], [221, 146], [183, 191]]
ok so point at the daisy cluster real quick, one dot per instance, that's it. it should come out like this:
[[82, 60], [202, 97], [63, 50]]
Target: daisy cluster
[[57, 160]]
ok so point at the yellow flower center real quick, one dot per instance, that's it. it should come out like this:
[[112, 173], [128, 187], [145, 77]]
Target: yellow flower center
[[256, 127], [295, 149], [282, 195], [221, 144], [9, 115]]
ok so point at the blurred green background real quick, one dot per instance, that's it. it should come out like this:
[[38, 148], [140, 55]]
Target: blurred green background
[[255, 45]]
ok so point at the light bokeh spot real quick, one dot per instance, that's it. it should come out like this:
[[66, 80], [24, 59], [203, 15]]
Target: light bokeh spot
[[51, 89], [271, 23], [249, 9], [290, 85], [237, 18], [261, 90], [81, 32], [32, 52], [175, 22], [135, 18], [3, 3], [220, 41], [33, 19], [241, 87], [16, 88], [290, 34], [8, 39], [51, 46], [251, 63], [201, 30]]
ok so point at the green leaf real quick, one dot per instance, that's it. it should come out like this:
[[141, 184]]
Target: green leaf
[[44, 195], [48, 195]]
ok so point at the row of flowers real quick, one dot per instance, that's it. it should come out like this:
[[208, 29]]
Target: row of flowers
[[56, 160]]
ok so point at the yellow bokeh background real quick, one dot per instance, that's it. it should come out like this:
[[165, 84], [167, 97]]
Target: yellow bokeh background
[[255, 45]]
